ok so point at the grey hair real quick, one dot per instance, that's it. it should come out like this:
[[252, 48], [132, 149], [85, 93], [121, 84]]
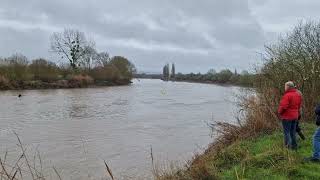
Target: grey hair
[[290, 84]]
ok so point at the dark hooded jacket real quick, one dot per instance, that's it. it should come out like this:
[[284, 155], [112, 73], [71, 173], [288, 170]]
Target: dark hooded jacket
[[317, 111]]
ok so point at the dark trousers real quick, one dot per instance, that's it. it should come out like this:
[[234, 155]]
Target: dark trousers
[[316, 144], [289, 131], [299, 131]]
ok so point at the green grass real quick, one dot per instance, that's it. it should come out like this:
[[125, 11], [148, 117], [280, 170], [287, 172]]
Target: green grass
[[265, 157]]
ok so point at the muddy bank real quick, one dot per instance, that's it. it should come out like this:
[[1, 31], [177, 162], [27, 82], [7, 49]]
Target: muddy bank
[[60, 84]]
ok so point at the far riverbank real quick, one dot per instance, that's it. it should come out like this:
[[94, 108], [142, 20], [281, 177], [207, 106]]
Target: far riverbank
[[80, 82]]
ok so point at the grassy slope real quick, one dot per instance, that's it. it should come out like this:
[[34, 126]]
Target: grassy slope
[[265, 158]]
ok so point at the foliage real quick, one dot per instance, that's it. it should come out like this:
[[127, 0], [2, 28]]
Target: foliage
[[212, 71], [4, 82], [124, 66], [224, 77], [295, 57], [88, 58], [81, 80], [70, 44], [102, 59], [44, 70], [166, 72], [261, 157], [17, 73], [105, 73], [15, 68], [247, 150], [173, 71], [148, 76]]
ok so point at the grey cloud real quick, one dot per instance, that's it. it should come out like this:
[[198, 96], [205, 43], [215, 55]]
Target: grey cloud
[[27, 42], [197, 35]]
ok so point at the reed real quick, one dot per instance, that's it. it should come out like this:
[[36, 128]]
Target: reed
[[31, 167]]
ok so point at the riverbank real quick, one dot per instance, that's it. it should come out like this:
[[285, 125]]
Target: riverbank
[[17, 72], [215, 83], [60, 84], [261, 157], [224, 77], [199, 82], [87, 123]]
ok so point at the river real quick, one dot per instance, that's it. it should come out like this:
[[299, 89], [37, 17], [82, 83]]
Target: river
[[75, 130]]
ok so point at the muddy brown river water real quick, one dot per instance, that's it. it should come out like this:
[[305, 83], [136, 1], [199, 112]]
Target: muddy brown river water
[[76, 129]]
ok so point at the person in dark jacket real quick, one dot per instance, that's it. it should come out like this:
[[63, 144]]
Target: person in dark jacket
[[298, 128], [316, 138], [289, 112]]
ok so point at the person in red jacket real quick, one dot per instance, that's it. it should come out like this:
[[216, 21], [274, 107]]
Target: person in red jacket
[[289, 112]]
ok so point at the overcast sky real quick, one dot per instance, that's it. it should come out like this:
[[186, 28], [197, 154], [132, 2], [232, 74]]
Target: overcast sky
[[195, 34]]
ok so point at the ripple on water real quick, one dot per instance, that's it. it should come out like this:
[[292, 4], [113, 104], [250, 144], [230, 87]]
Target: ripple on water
[[76, 129]]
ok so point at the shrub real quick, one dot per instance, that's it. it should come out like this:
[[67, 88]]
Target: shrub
[[4, 82], [45, 74], [44, 70], [15, 68], [124, 66], [80, 81], [295, 57], [106, 73], [224, 76]]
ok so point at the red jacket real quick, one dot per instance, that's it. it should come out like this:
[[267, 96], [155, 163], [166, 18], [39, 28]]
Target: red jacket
[[290, 105]]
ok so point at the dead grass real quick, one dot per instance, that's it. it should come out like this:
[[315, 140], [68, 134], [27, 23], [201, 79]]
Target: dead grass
[[256, 117], [31, 167], [80, 81], [4, 82], [24, 167]]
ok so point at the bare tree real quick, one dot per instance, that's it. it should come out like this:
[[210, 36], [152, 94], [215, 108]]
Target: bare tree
[[102, 59], [70, 44], [89, 57], [296, 57], [17, 59]]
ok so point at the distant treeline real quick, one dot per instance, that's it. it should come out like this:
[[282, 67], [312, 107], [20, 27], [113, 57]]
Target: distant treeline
[[223, 77], [147, 76], [296, 57], [81, 66]]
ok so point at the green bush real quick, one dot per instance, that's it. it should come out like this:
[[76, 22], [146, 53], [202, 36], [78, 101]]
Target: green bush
[[124, 66], [224, 76]]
